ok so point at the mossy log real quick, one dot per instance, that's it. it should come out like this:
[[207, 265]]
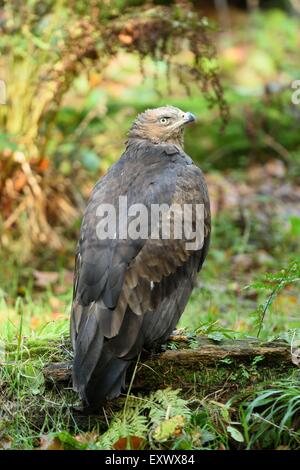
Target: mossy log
[[200, 367], [186, 366]]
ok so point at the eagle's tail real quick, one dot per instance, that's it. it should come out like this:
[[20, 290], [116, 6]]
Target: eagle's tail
[[98, 373], [105, 382]]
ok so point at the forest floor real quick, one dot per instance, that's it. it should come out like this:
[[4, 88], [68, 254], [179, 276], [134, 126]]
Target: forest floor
[[254, 230]]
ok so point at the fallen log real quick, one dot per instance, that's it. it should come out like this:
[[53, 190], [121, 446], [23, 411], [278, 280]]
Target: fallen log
[[200, 367], [184, 366]]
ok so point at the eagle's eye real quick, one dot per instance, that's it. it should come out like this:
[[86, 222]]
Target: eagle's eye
[[164, 120]]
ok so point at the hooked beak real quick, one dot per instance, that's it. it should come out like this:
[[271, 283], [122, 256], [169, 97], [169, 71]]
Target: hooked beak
[[189, 117], [185, 118]]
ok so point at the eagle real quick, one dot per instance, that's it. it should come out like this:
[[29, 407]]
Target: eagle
[[130, 291]]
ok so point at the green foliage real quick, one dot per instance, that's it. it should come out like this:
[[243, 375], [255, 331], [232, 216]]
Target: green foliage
[[272, 416], [215, 331], [166, 403], [235, 434], [130, 424], [274, 282], [53, 123], [162, 419], [160, 415]]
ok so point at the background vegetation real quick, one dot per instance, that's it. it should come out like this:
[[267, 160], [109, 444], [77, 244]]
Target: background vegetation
[[76, 76]]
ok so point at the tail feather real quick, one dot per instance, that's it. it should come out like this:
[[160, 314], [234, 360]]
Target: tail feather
[[100, 364], [98, 374], [107, 380], [88, 347]]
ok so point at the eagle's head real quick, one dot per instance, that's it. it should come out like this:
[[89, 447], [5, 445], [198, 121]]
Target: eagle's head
[[161, 125]]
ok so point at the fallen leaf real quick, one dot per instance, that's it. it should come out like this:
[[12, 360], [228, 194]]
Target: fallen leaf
[[44, 278], [235, 54], [55, 303], [34, 322], [87, 437], [296, 357], [5, 442], [130, 442], [20, 180], [242, 262], [67, 281], [68, 277], [60, 441], [43, 164], [56, 315], [125, 38], [169, 428], [48, 442], [276, 168], [60, 289]]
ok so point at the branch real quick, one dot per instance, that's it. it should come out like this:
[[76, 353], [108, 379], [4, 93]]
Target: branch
[[179, 365]]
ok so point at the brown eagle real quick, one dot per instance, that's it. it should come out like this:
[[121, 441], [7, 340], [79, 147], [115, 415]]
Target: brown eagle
[[129, 292]]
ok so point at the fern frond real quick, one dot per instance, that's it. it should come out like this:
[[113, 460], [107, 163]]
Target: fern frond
[[132, 423], [165, 404]]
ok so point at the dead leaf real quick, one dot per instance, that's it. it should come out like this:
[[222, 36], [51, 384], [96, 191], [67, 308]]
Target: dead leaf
[[67, 281], [5, 442], [87, 437], [276, 168], [235, 54], [43, 164], [19, 180], [95, 79], [242, 262], [44, 278], [296, 357], [171, 427], [35, 322], [50, 443], [56, 315], [130, 442], [60, 289], [55, 303], [68, 277], [125, 38]]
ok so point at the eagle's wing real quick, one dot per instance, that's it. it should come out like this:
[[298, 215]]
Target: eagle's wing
[[131, 293]]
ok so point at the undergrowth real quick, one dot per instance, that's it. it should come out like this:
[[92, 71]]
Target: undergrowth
[[34, 414], [229, 407]]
